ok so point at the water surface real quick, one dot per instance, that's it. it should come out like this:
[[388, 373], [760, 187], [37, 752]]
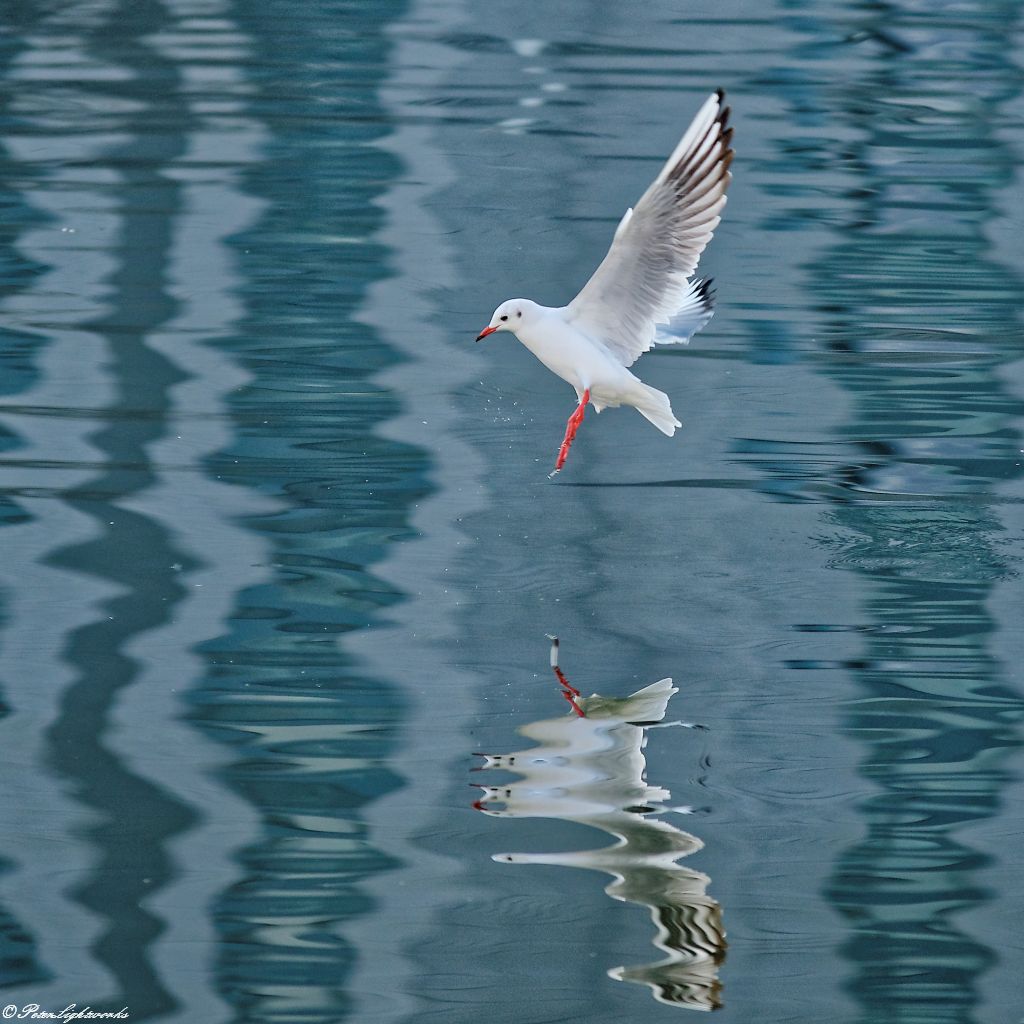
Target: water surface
[[281, 550]]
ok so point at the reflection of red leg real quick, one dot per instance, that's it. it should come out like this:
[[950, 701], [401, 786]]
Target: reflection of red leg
[[569, 692], [570, 430], [565, 682], [571, 698]]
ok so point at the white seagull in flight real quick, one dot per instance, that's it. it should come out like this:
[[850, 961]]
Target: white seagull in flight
[[643, 281]]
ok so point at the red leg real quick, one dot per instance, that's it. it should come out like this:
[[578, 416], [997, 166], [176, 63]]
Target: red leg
[[570, 430]]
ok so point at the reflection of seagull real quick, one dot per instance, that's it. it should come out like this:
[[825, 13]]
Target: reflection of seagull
[[643, 282], [589, 768]]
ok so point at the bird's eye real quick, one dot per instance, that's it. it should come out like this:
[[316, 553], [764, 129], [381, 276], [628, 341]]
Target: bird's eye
[[519, 312], [503, 318]]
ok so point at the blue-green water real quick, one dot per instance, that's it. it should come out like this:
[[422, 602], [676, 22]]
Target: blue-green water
[[280, 549]]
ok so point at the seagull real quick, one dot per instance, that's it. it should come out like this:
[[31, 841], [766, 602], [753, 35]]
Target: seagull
[[643, 282]]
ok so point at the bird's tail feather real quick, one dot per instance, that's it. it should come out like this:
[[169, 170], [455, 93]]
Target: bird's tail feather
[[695, 310], [654, 405]]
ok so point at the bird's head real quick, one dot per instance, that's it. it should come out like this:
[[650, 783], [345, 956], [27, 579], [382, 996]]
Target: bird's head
[[510, 316]]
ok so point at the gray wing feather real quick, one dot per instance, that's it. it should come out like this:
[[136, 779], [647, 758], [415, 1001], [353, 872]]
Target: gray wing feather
[[643, 281]]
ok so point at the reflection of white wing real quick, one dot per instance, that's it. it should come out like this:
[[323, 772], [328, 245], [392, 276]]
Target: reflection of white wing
[[644, 706], [642, 281]]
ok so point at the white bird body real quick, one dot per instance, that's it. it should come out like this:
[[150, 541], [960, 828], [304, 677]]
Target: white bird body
[[643, 283], [576, 357]]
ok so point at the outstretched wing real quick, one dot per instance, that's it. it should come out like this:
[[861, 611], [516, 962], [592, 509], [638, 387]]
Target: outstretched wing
[[643, 280]]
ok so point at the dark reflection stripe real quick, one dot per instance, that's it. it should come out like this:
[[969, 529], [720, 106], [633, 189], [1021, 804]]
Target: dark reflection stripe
[[930, 445], [19, 958], [310, 728]]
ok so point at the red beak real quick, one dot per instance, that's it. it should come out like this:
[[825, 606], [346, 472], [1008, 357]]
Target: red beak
[[485, 332]]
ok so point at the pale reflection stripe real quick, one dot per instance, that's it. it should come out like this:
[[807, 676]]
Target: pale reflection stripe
[[384, 982]]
